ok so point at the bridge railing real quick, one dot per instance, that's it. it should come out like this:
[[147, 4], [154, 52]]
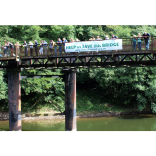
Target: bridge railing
[[42, 50], [59, 49], [8, 51], [127, 44]]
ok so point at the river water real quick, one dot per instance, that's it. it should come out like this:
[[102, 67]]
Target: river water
[[121, 123]]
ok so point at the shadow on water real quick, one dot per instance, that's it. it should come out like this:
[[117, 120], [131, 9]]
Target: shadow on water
[[138, 116], [141, 122]]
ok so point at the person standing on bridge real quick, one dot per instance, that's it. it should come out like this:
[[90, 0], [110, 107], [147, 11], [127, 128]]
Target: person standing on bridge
[[11, 48], [114, 37], [92, 39], [77, 40], [54, 45], [50, 46], [41, 48], [134, 42], [72, 59], [31, 48], [17, 48], [139, 41], [64, 41], [98, 38], [7, 48], [106, 37], [45, 46], [36, 47], [26, 48], [59, 43], [146, 37], [71, 40]]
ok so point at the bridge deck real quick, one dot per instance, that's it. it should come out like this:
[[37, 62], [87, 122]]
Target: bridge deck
[[53, 59]]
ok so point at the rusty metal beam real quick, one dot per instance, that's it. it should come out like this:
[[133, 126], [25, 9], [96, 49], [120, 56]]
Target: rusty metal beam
[[70, 100], [14, 96]]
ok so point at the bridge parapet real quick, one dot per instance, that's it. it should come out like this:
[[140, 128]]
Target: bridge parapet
[[15, 52], [53, 58]]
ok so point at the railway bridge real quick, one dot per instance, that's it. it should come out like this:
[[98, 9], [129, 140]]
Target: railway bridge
[[15, 61]]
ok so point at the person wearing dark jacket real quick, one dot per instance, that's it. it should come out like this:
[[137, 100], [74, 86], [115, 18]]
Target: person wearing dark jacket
[[114, 37], [36, 47], [59, 43], [26, 48], [8, 49], [146, 37], [11, 48]]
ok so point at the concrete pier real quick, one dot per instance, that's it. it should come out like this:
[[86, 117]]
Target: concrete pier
[[14, 99], [70, 100]]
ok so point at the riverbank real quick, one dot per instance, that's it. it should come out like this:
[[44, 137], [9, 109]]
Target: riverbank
[[89, 104], [83, 114]]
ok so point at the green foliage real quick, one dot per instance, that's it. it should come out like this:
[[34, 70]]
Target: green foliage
[[141, 102], [3, 92], [3, 87], [43, 87], [121, 31], [89, 100], [20, 33], [57, 31], [124, 86], [153, 107]]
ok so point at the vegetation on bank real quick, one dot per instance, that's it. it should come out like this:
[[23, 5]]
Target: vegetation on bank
[[96, 89]]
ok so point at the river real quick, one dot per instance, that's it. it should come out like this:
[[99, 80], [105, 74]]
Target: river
[[121, 123]]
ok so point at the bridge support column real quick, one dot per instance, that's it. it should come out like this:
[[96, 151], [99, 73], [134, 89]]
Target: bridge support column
[[70, 100], [14, 98]]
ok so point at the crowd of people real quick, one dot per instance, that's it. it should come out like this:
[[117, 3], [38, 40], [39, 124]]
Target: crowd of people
[[43, 46], [139, 39]]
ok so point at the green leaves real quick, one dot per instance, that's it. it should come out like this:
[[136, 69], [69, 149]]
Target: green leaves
[[153, 107], [20, 33], [3, 87], [42, 86], [123, 86]]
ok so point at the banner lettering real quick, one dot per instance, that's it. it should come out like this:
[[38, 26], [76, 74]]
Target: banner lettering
[[115, 44]]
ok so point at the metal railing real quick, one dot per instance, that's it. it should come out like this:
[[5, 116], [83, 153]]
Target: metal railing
[[8, 51], [59, 49]]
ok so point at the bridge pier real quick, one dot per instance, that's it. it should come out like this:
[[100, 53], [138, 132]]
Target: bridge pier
[[14, 98], [70, 100]]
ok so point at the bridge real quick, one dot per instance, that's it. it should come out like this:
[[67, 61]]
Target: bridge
[[17, 59]]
